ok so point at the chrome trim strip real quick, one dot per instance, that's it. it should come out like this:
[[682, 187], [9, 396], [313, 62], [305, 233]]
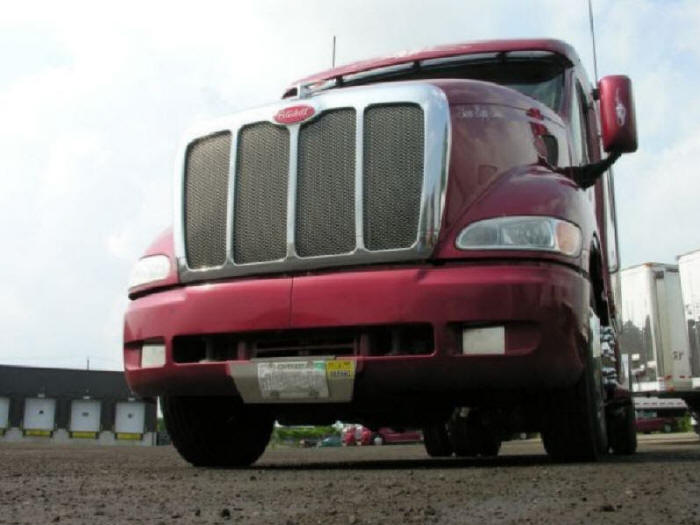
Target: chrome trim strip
[[436, 161], [179, 202], [359, 173], [292, 190], [232, 167]]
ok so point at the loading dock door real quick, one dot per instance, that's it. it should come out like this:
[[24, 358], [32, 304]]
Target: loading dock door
[[130, 419], [39, 413], [84, 417], [4, 413]]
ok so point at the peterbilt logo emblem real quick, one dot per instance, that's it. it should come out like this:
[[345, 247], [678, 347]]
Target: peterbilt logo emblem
[[294, 114]]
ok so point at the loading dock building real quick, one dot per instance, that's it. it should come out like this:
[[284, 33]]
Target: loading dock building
[[73, 406]]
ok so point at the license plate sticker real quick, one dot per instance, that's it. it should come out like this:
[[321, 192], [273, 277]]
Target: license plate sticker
[[342, 369], [293, 380]]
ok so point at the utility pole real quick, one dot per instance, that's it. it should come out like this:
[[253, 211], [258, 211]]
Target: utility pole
[[88, 363]]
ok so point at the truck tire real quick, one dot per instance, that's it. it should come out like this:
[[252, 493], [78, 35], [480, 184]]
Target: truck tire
[[216, 431], [470, 437], [622, 431], [575, 426], [463, 435], [436, 441]]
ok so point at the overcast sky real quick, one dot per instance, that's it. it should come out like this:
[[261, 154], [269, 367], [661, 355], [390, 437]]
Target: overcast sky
[[93, 101]]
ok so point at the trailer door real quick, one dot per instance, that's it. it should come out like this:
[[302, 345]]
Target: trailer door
[[130, 419], [4, 413], [39, 415], [85, 418]]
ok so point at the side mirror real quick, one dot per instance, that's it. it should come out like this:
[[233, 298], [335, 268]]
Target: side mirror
[[617, 117]]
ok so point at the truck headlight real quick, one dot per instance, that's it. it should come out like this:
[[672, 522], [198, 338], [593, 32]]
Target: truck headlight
[[149, 269], [522, 233]]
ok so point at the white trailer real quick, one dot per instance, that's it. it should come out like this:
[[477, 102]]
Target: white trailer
[[654, 339], [689, 269]]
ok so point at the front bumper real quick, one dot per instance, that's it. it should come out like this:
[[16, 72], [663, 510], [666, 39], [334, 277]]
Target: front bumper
[[543, 307]]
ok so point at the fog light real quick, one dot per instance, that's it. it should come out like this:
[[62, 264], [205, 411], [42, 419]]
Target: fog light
[[152, 355], [489, 341]]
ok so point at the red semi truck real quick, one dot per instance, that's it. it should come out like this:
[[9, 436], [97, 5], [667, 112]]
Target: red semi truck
[[425, 240]]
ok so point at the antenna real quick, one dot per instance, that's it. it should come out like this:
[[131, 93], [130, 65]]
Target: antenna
[[333, 56], [590, 19]]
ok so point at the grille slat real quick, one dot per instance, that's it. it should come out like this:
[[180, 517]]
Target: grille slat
[[206, 186], [393, 175], [260, 209], [325, 213]]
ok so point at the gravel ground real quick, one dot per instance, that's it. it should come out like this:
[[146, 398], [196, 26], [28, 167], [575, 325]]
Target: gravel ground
[[381, 485]]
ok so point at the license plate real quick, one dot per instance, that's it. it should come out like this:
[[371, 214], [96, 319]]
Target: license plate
[[293, 380]]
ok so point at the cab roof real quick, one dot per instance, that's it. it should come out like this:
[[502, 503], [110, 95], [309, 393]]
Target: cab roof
[[446, 51]]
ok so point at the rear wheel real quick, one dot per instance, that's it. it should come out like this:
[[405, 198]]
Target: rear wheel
[[216, 431], [575, 427], [436, 441], [470, 436], [622, 430]]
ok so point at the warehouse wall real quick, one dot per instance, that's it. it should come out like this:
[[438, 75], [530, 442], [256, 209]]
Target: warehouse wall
[[64, 386]]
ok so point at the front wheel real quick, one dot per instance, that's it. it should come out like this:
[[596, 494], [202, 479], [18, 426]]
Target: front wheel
[[436, 440], [622, 430], [216, 431], [575, 426]]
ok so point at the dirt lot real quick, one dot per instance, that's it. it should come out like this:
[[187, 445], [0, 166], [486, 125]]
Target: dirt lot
[[381, 485]]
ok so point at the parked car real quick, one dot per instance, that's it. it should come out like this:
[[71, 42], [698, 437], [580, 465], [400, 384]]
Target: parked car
[[330, 441], [649, 421], [389, 436], [363, 436]]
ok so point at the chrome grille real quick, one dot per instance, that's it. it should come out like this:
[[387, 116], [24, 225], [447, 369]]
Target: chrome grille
[[325, 213], [361, 181], [393, 175], [206, 186], [260, 209]]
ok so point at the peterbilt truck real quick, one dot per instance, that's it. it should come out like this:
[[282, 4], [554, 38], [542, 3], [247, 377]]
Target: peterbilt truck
[[422, 240]]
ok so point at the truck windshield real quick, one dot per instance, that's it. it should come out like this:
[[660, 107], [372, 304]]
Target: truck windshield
[[538, 75]]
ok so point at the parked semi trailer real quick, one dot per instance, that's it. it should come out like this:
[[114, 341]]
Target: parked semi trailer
[[422, 240], [654, 339], [689, 269], [657, 355]]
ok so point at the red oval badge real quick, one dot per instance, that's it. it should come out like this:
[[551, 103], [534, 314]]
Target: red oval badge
[[294, 114]]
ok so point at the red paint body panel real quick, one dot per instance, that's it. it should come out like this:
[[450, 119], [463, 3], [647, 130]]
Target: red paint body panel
[[548, 298]]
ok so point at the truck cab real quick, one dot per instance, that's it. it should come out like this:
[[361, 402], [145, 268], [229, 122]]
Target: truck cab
[[422, 240]]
